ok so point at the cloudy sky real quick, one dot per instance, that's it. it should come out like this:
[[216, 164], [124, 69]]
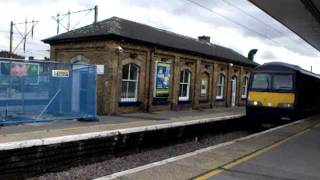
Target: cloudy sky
[[236, 24]]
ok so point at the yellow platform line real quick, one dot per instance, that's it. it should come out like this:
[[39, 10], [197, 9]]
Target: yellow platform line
[[230, 165]]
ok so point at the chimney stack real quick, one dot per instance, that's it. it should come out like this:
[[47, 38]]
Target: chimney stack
[[204, 38], [251, 54]]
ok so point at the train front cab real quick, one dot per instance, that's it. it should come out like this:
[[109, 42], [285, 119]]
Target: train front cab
[[272, 96]]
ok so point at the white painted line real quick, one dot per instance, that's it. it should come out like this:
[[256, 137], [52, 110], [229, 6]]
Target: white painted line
[[86, 136], [194, 153]]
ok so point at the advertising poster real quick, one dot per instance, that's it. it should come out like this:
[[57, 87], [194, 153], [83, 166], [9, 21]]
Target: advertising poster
[[162, 78], [14, 71]]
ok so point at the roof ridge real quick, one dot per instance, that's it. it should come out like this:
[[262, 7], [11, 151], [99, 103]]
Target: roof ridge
[[163, 30]]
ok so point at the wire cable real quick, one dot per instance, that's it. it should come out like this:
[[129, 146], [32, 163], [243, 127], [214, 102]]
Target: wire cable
[[228, 2], [233, 21]]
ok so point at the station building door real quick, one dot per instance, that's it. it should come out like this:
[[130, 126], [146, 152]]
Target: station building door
[[233, 91]]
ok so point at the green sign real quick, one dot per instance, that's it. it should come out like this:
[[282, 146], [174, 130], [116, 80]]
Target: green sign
[[162, 79]]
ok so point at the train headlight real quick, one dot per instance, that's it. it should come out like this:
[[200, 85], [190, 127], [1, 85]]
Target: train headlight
[[254, 103], [286, 105]]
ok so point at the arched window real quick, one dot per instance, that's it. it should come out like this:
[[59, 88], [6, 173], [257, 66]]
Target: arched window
[[204, 85], [244, 87], [129, 84], [220, 86], [80, 59], [185, 77]]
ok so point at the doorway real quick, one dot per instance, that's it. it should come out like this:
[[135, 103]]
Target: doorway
[[233, 91]]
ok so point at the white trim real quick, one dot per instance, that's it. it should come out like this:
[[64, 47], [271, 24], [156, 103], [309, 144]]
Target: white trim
[[135, 98], [245, 86], [221, 85], [219, 97], [128, 99], [234, 82], [183, 98], [108, 133], [187, 97]]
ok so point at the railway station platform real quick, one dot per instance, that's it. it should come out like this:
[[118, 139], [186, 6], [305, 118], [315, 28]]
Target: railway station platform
[[286, 152], [133, 122], [29, 150]]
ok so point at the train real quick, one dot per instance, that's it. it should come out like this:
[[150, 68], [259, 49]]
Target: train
[[282, 92]]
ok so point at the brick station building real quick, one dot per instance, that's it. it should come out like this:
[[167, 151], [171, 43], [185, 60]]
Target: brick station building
[[149, 69]]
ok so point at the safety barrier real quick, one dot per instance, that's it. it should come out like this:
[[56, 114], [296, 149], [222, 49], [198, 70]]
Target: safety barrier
[[39, 91]]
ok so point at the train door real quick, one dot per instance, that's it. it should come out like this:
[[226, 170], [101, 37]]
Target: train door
[[233, 91]]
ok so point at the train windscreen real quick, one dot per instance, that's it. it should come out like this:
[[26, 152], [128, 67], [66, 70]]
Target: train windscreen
[[282, 82], [261, 81]]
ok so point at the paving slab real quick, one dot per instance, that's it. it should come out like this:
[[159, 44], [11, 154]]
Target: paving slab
[[296, 159]]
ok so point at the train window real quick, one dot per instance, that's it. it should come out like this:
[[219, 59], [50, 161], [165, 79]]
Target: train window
[[282, 82], [261, 81]]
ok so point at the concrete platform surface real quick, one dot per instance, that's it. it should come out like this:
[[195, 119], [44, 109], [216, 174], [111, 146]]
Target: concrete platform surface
[[286, 152], [298, 158], [69, 129]]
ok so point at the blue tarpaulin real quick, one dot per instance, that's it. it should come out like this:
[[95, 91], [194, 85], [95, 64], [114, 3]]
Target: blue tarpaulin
[[42, 91]]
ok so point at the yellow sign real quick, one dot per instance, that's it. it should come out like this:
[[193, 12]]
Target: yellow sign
[[60, 73]]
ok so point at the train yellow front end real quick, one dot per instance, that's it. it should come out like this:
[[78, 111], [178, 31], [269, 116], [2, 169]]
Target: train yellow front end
[[271, 105]]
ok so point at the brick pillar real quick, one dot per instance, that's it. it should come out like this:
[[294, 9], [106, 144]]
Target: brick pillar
[[241, 76], [196, 88], [175, 83], [114, 84], [150, 75], [228, 85], [215, 75]]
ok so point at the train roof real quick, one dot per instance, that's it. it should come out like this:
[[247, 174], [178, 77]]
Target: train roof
[[290, 66]]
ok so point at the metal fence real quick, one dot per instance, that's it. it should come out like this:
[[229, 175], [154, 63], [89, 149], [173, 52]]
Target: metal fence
[[38, 91]]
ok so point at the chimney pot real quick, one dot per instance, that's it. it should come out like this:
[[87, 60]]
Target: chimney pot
[[204, 38]]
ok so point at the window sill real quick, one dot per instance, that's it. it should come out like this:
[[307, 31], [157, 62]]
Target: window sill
[[126, 104], [219, 99], [160, 101], [204, 101], [184, 102]]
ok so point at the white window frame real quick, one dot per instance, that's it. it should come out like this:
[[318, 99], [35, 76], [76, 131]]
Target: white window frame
[[220, 86], [135, 98], [187, 97], [245, 88]]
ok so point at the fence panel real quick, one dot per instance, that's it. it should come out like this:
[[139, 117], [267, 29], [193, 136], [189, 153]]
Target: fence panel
[[38, 91]]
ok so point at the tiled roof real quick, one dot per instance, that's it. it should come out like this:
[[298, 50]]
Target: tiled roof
[[118, 27]]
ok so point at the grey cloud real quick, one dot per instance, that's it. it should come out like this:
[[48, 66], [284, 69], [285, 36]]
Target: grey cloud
[[30, 2], [250, 17], [268, 55]]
